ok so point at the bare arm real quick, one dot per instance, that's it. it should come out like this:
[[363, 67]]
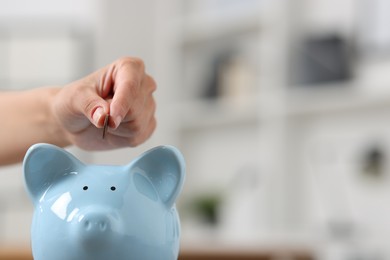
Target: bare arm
[[27, 118], [74, 114]]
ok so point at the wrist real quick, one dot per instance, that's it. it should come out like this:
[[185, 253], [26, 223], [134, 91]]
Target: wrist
[[55, 131]]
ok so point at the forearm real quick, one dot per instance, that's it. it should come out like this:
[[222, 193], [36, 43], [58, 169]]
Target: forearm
[[26, 118], [75, 113]]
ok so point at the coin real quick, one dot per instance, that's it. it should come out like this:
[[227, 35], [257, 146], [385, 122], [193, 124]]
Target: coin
[[105, 126]]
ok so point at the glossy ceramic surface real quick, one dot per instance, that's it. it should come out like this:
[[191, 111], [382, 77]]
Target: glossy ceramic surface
[[100, 212]]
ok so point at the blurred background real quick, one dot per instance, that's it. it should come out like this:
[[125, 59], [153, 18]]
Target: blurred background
[[281, 109]]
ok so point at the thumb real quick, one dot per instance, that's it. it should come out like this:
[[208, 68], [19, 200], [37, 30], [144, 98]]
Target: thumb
[[98, 116], [96, 110]]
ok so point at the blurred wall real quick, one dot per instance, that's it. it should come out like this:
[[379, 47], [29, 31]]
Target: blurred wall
[[280, 108]]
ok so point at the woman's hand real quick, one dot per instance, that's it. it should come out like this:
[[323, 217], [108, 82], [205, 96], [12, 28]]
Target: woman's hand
[[124, 91]]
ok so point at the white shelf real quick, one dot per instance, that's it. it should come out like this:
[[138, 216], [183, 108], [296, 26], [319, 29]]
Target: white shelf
[[213, 25], [302, 102], [205, 114], [315, 101]]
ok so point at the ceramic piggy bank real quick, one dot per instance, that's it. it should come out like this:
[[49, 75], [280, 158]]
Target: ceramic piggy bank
[[101, 212]]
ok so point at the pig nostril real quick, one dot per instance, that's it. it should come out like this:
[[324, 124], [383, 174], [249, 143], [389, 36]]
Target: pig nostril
[[103, 226], [95, 225], [113, 188], [85, 188], [87, 225]]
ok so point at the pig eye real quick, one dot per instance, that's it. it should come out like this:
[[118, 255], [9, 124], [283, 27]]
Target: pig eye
[[113, 188], [85, 188]]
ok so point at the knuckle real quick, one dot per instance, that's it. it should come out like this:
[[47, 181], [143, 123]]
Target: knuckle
[[153, 125], [151, 84], [132, 62], [154, 106]]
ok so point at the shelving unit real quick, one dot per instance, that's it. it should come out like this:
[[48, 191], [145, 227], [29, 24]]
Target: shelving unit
[[272, 131], [222, 134]]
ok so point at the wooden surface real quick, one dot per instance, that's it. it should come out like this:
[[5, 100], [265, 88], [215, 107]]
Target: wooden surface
[[244, 255], [14, 253], [24, 254]]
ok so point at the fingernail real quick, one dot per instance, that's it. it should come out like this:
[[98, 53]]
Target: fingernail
[[97, 115], [117, 121]]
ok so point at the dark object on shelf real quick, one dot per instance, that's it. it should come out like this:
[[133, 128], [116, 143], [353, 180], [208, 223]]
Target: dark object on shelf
[[206, 206], [214, 86], [322, 60], [374, 161]]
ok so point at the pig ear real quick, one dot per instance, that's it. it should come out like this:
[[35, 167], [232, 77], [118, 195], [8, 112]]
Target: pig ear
[[165, 169], [43, 165]]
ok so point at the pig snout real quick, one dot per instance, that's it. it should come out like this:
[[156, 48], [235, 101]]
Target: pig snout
[[95, 224], [94, 229]]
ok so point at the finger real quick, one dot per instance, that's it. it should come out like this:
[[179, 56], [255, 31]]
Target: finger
[[113, 140], [148, 85], [106, 82], [128, 77], [138, 125], [143, 135], [141, 106]]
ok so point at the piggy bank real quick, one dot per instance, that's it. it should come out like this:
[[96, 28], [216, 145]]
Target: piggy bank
[[101, 212]]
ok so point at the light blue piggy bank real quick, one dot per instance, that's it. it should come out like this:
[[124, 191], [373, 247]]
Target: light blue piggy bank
[[101, 212]]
